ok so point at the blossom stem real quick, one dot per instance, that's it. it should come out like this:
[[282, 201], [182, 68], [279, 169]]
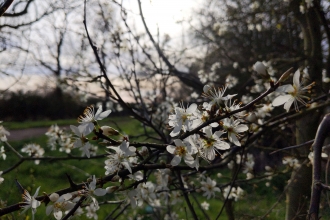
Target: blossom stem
[[71, 212], [13, 150]]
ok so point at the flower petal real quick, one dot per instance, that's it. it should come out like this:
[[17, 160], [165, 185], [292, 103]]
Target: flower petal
[[280, 100], [296, 78], [102, 115], [219, 133], [35, 203], [232, 138], [170, 149], [288, 104], [176, 160], [58, 214], [75, 130], [285, 88], [100, 192], [192, 108], [178, 142], [49, 209], [241, 128]]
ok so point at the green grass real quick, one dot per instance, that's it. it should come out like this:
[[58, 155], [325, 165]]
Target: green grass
[[51, 175], [34, 124], [124, 121]]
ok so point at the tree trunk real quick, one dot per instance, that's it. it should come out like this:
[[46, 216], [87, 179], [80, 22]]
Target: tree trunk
[[299, 190]]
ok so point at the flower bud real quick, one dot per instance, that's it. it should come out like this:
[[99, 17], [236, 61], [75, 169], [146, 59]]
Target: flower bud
[[112, 189], [109, 131], [260, 68], [54, 197], [206, 88], [285, 75]]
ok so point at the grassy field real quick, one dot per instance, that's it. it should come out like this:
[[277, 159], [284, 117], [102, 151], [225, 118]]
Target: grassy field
[[51, 176]]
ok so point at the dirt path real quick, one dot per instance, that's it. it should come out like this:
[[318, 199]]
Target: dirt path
[[21, 134]]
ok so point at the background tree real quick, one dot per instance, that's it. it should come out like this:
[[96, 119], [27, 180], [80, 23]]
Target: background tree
[[282, 33]]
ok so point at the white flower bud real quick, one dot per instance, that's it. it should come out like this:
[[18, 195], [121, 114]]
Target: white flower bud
[[54, 197], [109, 131], [112, 189], [260, 68], [206, 88]]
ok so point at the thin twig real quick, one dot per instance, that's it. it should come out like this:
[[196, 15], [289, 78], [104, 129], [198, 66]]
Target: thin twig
[[294, 146], [185, 195]]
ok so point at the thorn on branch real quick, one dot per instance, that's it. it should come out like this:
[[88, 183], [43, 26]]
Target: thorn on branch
[[19, 186], [72, 184]]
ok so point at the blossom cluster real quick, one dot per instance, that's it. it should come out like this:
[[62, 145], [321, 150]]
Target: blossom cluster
[[198, 135], [62, 204]]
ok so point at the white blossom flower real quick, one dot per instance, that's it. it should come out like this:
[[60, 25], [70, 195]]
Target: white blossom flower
[[260, 68], [81, 141], [202, 76], [3, 153], [55, 135], [259, 27], [91, 211], [176, 197], [88, 117], [248, 163], [91, 190], [209, 187], [66, 145], [171, 216], [291, 162], [235, 192], [3, 133], [309, 3], [311, 156], [194, 95], [233, 128], [231, 81], [205, 205], [1, 178], [131, 197], [232, 106], [215, 66], [325, 78], [216, 95], [295, 93], [203, 116], [30, 201], [60, 204], [162, 178], [254, 5], [182, 119], [264, 110], [249, 176], [181, 149], [145, 192], [137, 176], [119, 159], [33, 150], [212, 142]]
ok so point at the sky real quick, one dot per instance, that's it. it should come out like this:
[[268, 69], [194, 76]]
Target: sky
[[162, 16], [166, 14]]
